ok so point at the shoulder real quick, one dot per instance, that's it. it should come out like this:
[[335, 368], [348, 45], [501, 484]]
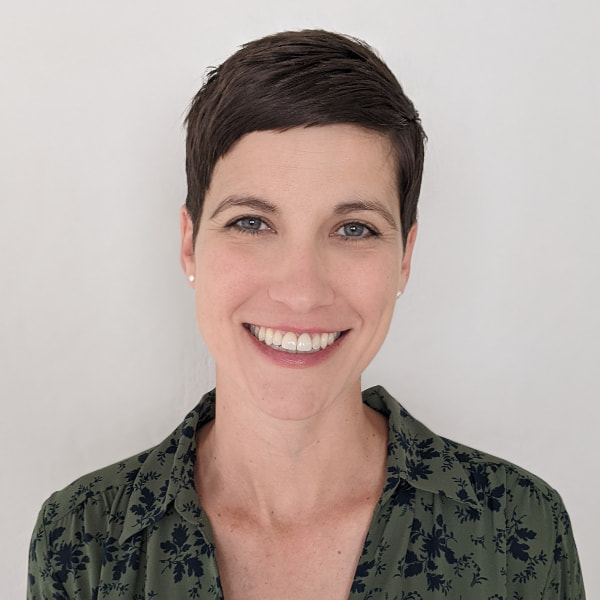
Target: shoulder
[[101, 518], [517, 518], [140, 482], [532, 525], [440, 465], [492, 476], [76, 518], [101, 487], [73, 526], [536, 523]]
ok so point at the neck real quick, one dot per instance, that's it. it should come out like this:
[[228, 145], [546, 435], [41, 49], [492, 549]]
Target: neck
[[279, 469]]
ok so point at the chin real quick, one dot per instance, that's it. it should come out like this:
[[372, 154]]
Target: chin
[[298, 398]]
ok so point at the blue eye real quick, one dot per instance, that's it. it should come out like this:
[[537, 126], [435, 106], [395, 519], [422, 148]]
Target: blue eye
[[355, 230], [249, 224]]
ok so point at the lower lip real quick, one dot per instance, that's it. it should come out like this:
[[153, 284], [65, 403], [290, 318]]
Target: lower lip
[[297, 360]]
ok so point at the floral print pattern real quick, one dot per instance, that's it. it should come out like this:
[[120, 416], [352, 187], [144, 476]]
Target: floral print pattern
[[452, 523]]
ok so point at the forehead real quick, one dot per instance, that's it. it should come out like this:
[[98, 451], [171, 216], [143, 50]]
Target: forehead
[[331, 162]]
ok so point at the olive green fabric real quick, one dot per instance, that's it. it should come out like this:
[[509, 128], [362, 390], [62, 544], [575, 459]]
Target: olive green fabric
[[452, 522]]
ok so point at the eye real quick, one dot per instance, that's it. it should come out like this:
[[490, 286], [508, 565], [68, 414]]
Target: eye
[[355, 230], [249, 225]]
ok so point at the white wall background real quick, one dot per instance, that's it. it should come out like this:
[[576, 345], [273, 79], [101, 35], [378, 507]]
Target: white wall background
[[496, 342]]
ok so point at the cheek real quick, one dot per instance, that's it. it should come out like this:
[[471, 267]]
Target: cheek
[[371, 282], [224, 280]]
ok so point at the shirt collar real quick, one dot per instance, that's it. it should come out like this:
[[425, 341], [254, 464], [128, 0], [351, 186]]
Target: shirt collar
[[415, 454], [418, 456], [165, 470]]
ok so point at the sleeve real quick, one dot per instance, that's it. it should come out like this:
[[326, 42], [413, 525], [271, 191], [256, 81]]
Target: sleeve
[[42, 582], [564, 580]]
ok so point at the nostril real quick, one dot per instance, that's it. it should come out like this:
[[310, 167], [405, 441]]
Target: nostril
[[301, 295]]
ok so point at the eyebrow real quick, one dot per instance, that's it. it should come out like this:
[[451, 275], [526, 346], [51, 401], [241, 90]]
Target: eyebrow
[[343, 208], [347, 207], [246, 201]]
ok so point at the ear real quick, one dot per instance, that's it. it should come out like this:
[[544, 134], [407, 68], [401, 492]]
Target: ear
[[187, 243], [407, 257]]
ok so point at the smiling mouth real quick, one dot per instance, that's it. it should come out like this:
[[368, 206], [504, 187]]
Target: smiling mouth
[[294, 343]]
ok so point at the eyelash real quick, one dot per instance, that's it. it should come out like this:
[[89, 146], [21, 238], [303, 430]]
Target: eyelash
[[371, 232], [236, 225]]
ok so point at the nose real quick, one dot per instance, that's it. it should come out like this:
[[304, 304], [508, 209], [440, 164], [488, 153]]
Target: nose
[[300, 279]]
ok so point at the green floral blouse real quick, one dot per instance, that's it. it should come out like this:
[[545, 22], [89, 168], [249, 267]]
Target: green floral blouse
[[452, 522]]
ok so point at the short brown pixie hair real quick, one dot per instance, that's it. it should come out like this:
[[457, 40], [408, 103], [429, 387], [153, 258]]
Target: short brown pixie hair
[[302, 79]]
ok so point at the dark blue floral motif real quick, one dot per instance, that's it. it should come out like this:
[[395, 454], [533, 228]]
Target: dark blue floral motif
[[122, 558], [131, 476], [495, 496], [467, 513], [112, 589], [434, 556], [202, 545], [414, 565], [558, 553], [180, 560], [188, 432], [393, 478], [436, 581], [518, 536], [146, 500], [84, 492], [362, 572], [69, 558], [404, 495], [171, 449], [418, 470], [55, 535], [528, 484]]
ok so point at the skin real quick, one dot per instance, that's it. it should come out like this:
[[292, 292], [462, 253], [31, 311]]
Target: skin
[[300, 231]]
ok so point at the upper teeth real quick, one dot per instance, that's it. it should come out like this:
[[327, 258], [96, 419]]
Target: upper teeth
[[293, 342]]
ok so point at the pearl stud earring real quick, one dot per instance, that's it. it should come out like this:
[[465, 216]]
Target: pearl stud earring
[[398, 294], [191, 278]]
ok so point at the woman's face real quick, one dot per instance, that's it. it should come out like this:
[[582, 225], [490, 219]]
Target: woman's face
[[299, 239]]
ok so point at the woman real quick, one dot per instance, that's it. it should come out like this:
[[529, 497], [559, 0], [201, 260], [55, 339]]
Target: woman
[[304, 163]]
